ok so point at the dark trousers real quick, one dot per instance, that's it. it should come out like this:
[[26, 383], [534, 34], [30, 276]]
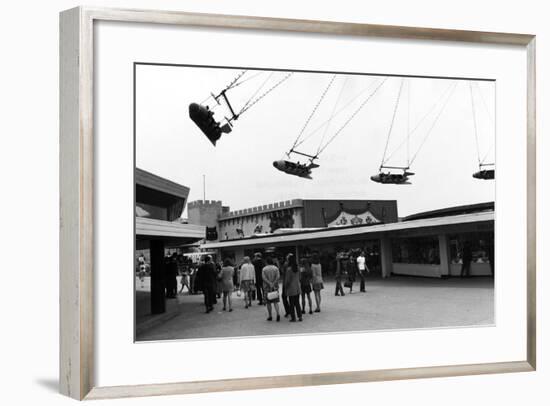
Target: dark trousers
[[339, 289], [362, 283], [465, 270], [209, 297], [171, 290], [294, 304], [260, 292], [286, 303], [192, 284]]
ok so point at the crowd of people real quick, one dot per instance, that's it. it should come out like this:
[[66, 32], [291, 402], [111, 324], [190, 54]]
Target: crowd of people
[[349, 267], [271, 280]]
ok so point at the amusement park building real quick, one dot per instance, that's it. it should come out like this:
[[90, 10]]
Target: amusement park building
[[159, 205], [296, 214], [425, 244]]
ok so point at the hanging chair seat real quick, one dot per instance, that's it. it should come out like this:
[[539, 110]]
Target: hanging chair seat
[[485, 174]]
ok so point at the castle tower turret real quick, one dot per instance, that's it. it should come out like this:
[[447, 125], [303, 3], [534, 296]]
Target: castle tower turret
[[204, 212]]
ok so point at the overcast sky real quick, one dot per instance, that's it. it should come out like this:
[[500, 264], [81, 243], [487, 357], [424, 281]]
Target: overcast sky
[[239, 169]]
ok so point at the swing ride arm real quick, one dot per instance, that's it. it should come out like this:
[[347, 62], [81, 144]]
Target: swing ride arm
[[293, 151], [394, 167]]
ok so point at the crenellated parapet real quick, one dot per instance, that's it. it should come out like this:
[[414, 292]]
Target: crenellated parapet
[[266, 208], [196, 204]]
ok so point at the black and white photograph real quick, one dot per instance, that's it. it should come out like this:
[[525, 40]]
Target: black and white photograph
[[280, 202]]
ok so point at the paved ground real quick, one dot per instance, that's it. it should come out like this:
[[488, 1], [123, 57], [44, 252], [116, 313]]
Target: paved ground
[[394, 303]]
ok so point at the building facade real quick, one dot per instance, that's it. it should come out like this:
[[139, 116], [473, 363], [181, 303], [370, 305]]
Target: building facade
[[431, 244], [296, 214]]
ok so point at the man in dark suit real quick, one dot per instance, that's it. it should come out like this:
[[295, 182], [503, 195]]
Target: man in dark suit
[[206, 281], [466, 259], [171, 274], [259, 264]]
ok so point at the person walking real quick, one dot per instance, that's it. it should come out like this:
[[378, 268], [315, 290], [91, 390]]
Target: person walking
[[339, 291], [351, 270], [183, 271], [292, 287], [466, 259], [236, 277], [270, 278], [218, 266], [317, 280], [171, 276], [192, 277], [226, 274], [142, 268], [363, 269], [282, 269], [305, 284], [247, 281], [259, 264], [206, 282]]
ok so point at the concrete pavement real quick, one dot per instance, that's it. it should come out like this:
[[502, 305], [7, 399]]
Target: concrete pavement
[[393, 303]]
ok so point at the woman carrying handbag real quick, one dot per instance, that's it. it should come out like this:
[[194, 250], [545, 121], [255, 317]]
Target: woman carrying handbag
[[270, 276]]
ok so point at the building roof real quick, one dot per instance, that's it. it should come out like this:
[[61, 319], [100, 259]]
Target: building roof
[[332, 232], [173, 231], [447, 211], [151, 181]]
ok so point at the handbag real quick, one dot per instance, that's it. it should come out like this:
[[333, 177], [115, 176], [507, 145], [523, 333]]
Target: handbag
[[273, 295], [347, 284]]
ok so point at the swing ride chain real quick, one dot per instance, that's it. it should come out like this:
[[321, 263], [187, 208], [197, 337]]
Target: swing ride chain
[[246, 107], [392, 122], [475, 123], [448, 97], [232, 84], [332, 114], [323, 124], [313, 111], [256, 92], [482, 161], [417, 126], [352, 116]]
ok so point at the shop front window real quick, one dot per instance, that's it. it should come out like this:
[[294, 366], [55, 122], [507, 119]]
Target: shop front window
[[416, 250], [480, 247]]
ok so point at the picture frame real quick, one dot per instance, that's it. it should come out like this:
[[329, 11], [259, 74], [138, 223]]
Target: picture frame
[[77, 199]]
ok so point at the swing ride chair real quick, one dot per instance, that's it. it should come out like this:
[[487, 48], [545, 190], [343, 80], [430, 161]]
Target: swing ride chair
[[392, 178], [203, 116], [296, 168], [485, 174]]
